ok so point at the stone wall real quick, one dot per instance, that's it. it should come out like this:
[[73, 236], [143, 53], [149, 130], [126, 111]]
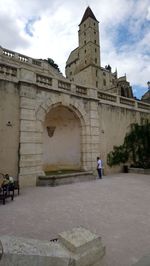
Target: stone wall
[[30, 93], [9, 127]]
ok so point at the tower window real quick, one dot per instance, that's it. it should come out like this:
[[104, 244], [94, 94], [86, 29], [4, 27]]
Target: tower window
[[84, 33], [104, 82], [95, 50], [96, 60], [96, 84], [84, 25], [85, 61], [96, 72], [94, 32], [84, 42], [94, 23], [95, 41], [85, 51]]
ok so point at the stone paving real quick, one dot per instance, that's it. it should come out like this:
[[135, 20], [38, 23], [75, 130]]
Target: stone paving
[[116, 207]]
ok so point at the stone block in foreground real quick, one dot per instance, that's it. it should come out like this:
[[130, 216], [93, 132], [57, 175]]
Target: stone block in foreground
[[78, 247]]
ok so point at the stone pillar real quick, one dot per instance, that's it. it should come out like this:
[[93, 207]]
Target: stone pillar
[[78, 247], [94, 133], [30, 138]]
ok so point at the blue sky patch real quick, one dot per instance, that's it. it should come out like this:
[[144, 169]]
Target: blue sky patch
[[139, 91], [29, 25]]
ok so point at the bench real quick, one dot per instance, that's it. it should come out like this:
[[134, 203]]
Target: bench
[[6, 191]]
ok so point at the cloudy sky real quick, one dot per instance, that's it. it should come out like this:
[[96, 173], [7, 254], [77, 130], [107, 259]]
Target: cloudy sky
[[49, 28]]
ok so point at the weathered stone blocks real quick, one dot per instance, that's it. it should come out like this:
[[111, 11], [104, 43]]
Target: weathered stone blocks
[[78, 247]]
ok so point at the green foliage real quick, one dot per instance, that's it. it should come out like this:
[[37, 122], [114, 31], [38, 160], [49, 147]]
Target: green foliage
[[135, 149], [51, 62], [117, 156]]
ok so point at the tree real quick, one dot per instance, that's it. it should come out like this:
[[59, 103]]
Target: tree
[[52, 63], [135, 149]]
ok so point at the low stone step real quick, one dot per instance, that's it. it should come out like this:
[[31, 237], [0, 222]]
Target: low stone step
[[61, 179]]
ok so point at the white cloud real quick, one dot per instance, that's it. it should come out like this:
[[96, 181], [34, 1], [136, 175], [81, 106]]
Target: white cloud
[[55, 33]]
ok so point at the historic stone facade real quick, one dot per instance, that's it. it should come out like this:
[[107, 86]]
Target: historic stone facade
[[49, 122], [83, 65]]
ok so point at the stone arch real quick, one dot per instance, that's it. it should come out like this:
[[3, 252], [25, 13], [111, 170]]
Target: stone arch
[[49, 103], [74, 106]]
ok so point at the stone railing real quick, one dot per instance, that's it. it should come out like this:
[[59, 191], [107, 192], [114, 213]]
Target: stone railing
[[78, 247], [64, 85], [8, 70], [144, 105], [54, 83], [127, 101], [106, 96], [43, 80], [81, 90], [8, 53], [20, 57], [36, 62]]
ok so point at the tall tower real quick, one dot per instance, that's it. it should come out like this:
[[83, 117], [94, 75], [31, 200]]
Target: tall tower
[[89, 39], [84, 62]]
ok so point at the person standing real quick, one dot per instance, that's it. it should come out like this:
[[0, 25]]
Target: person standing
[[99, 167]]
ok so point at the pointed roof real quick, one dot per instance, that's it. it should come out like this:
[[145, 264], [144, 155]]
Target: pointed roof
[[88, 13]]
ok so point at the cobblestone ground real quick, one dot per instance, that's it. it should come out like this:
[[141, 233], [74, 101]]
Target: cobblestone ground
[[117, 208]]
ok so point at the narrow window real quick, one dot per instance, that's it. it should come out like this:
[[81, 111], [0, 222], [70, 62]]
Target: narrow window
[[96, 60], [84, 42], [104, 82], [95, 41], [96, 84], [85, 51]]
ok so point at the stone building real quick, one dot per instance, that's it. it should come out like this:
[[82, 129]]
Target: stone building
[[146, 96], [49, 122], [84, 65]]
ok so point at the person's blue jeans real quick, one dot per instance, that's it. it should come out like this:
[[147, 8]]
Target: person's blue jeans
[[99, 170]]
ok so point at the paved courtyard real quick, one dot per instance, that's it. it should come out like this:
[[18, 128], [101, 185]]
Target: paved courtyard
[[117, 208]]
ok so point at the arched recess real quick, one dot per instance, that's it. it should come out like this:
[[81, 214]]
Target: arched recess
[[63, 126]]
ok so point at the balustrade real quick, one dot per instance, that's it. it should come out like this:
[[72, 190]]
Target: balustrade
[[23, 58], [8, 70], [107, 97], [8, 53], [81, 90], [64, 85], [127, 101], [143, 106], [36, 62], [44, 80]]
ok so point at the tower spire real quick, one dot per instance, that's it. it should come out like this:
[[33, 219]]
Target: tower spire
[[88, 13]]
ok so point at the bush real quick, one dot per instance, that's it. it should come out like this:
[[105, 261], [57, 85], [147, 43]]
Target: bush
[[135, 149]]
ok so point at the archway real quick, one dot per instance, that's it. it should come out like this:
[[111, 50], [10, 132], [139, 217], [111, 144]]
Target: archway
[[61, 140]]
